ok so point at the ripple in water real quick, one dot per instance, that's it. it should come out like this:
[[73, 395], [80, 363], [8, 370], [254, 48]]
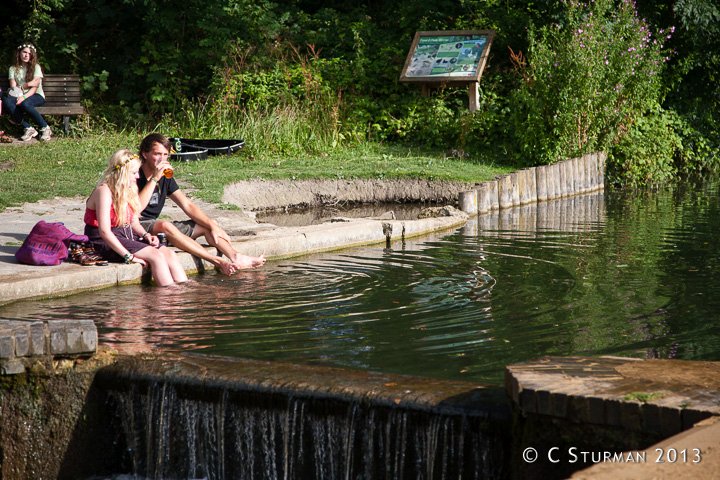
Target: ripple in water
[[587, 275]]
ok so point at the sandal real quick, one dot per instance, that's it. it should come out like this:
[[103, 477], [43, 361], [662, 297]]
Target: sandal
[[85, 255]]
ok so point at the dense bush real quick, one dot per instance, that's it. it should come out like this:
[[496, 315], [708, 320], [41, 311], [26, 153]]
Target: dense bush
[[657, 147], [587, 81]]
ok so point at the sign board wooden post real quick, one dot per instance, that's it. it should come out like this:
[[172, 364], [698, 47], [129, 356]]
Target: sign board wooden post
[[455, 57]]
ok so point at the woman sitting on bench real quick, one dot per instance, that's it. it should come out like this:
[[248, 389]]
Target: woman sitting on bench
[[26, 93]]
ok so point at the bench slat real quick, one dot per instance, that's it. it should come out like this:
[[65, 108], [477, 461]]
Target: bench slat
[[61, 110], [61, 88], [63, 99]]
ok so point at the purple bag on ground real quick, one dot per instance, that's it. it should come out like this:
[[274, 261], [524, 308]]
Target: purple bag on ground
[[47, 244]]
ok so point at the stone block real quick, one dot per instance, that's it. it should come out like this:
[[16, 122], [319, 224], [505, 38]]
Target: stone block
[[81, 337], [651, 421], [527, 401], [7, 345], [670, 421], [527, 185], [631, 416], [559, 405], [541, 183], [612, 412], [58, 337], [552, 180], [468, 202], [37, 339], [488, 198], [578, 409], [90, 339], [596, 410], [74, 339], [505, 191], [22, 342], [690, 417], [11, 367], [544, 406]]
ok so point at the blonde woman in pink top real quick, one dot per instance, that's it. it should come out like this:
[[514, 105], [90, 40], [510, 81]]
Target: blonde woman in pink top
[[112, 224]]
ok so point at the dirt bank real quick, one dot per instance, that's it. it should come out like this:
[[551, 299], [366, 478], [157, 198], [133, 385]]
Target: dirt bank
[[277, 194]]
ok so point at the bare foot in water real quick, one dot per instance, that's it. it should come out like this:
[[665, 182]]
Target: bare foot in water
[[246, 261], [226, 267]]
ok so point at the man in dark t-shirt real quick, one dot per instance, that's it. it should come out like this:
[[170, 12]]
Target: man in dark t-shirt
[[154, 188]]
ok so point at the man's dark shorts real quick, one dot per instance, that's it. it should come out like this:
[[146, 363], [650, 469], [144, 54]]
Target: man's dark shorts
[[186, 227]]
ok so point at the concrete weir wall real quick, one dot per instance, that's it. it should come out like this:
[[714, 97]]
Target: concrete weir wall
[[210, 417], [538, 184], [198, 416], [215, 417]]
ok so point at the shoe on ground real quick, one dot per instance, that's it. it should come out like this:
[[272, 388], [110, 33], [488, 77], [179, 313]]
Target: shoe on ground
[[46, 133], [30, 132]]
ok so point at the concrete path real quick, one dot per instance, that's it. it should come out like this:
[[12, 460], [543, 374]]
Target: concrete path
[[18, 282]]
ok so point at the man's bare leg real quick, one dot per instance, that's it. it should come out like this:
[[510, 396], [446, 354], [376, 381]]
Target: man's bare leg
[[240, 260], [187, 244], [225, 247]]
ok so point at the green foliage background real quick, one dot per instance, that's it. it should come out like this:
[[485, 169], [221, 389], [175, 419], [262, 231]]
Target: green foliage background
[[308, 76]]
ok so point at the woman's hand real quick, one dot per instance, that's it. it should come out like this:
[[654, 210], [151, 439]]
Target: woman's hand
[[139, 261], [20, 99], [153, 240]]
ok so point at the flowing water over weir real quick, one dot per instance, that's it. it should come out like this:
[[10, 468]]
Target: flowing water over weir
[[207, 417]]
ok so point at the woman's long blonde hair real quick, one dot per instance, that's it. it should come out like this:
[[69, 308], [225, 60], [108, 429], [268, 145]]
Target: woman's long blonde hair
[[122, 183]]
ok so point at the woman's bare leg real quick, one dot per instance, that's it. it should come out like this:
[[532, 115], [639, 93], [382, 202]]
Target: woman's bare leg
[[159, 267], [176, 270]]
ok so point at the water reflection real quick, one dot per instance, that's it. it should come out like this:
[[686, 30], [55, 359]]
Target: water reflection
[[596, 274]]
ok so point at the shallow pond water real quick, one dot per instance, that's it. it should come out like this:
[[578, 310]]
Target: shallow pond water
[[600, 274]]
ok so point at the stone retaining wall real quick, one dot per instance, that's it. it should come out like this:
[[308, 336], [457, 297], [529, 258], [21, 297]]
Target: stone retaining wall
[[538, 184], [23, 341]]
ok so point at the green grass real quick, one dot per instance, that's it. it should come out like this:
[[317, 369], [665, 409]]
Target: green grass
[[643, 397], [68, 167]]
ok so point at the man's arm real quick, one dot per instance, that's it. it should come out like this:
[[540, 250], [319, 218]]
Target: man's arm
[[146, 193]]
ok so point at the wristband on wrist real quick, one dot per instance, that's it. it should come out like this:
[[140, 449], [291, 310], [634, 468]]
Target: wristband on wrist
[[128, 257]]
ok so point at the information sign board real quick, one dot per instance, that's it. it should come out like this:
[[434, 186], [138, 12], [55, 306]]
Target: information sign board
[[448, 57]]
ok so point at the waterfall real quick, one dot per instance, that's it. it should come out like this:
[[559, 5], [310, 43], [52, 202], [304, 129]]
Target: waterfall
[[198, 430]]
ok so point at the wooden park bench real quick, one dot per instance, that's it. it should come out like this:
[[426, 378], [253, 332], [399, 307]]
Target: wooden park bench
[[62, 96]]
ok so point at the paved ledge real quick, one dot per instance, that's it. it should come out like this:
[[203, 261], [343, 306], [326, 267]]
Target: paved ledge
[[23, 341], [18, 282], [657, 396]]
